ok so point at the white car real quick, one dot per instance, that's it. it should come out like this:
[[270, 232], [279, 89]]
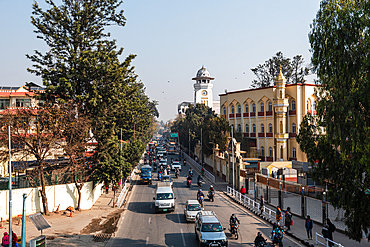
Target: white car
[[192, 207], [163, 163], [175, 165]]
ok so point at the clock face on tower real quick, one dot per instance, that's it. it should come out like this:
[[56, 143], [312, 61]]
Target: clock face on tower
[[204, 93]]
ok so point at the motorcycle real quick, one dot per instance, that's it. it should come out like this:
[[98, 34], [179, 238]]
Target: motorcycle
[[184, 162], [277, 237], [177, 174], [200, 183], [191, 173], [155, 168], [234, 230], [211, 196], [159, 176], [188, 183], [260, 244], [200, 200]]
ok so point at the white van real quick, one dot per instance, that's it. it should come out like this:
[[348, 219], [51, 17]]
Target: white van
[[164, 198]]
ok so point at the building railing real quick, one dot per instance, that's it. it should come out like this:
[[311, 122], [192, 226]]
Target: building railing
[[124, 191], [209, 175], [326, 241]]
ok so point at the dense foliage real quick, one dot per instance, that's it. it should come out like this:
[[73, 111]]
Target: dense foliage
[[340, 45], [294, 70], [83, 65], [215, 129]]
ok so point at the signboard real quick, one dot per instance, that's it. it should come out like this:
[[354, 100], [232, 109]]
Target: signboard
[[172, 135]]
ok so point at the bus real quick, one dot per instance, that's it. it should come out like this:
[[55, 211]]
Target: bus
[[146, 174]]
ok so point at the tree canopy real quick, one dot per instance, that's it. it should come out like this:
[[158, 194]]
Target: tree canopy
[[340, 42], [294, 70], [215, 129]]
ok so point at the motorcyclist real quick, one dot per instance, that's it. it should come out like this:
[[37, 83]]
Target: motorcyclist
[[184, 162], [211, 189], [191, 172], [202, 170], [189, 177], [199, 179], [233, 220], [199, 194], [259, 239], [177, 172]]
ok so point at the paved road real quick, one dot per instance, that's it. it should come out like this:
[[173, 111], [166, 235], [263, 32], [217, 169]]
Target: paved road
[[141, 226]]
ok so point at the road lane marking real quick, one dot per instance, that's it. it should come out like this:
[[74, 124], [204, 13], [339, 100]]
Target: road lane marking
[[147, 240], [178, 217], [150, 219], [151, 205], [182, 236]]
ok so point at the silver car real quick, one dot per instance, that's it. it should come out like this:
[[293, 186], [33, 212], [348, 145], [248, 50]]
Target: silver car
[[192, 207]]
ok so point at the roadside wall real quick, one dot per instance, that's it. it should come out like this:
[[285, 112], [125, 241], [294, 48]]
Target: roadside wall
[[63, 194]]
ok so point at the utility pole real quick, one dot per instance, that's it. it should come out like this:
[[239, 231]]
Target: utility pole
[[10, 189], [121, 157], [189, 141], [201, 146], [232, 151]]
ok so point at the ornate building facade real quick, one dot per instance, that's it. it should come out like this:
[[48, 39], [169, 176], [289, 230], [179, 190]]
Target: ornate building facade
[[270, 118]]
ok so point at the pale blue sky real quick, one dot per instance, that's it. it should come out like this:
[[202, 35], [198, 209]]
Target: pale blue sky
[[173, 39]]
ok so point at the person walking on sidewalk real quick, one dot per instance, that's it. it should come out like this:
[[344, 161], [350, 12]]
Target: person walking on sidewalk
[[288, 219], [242, 190], [331, 229], [262, 204], [309, 225], [279, 214], [5, 240]]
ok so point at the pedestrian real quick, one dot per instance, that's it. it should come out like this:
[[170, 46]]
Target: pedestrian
[[309, 225], [325, 231], [331, 229], [272, 175], [288, 218], [106, 189], [278, 216], [242, 190], [5, 240], [15, 239], [262, 202]]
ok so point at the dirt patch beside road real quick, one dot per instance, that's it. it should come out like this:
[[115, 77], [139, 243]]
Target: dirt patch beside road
[[106, 224]]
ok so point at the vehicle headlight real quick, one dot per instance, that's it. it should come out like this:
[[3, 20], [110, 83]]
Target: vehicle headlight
[[156, 204], [224, 240], [204, 241]]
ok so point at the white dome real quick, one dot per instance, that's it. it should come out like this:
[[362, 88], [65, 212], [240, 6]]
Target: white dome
[[203, 72]]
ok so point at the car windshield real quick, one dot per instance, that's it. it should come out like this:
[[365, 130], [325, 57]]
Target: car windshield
[[211, 227], [194, 207], [166, 179], [146, 174], [164, 196]]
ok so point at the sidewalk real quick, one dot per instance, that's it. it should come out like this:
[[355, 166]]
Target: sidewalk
[[298, 230], [78, 230]]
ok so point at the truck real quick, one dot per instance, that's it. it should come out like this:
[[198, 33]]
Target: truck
[[146, 174]]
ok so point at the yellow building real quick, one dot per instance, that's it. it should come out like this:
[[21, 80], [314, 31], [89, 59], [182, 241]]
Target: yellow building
[[270, 117]]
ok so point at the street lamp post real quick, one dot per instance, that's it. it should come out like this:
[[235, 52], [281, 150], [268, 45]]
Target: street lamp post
[[280, 196], [302, 202], [232, 152], [189, 141], [201, 146], [323, 207]]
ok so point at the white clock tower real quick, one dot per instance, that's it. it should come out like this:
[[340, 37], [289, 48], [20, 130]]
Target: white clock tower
[[203, 88]]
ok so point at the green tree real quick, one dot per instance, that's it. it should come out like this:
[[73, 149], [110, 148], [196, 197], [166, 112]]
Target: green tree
[[294, 71], [339, 40], [215, 129]]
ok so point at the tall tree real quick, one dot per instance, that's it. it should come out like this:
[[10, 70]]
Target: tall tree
[[294, 71], [341, 155]]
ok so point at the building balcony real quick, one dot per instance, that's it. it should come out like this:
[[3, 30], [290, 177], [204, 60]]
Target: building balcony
[[292, 112], [291, 158], [269, 113], [292, 135], [238, 115], [245, 114], [253, 134], [261, 134], [281, 135], [270, 159], [261, 113], [269, 134], [253, 114], [246, 134], [262, 158], [231, 116]]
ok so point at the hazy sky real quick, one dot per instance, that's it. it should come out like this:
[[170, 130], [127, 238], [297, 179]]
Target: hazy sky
[[173, 39]]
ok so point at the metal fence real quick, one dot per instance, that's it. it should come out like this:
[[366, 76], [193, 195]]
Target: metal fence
[[25, 181]]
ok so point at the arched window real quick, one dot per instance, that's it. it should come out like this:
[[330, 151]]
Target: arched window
[[262, 128], [314, 106], [246, 128], [293, 105], [294, 153], [239, 109], [254, 108], [270, 128], [270, 151], [293, 128], [239, 128], [254, 128], [246, 108], [262, 151], [232, 109], [262, 107], [224, 110], [270, 106]]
